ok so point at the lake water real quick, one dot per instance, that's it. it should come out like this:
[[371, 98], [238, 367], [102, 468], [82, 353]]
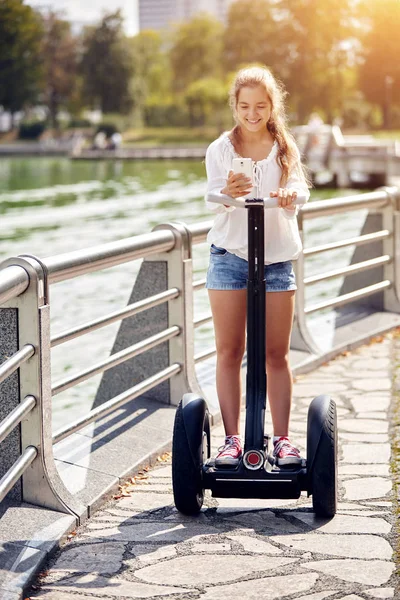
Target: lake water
[[50, 206]]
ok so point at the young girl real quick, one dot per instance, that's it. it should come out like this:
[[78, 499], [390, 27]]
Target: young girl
[[261, 134]]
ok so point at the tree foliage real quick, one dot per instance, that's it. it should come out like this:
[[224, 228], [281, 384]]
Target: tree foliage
[[380, 71], [20, 59], [106, 66], [60, 61], [196, 51]]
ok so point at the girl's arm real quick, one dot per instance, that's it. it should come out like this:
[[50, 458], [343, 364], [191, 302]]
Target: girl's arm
[[216, 177]]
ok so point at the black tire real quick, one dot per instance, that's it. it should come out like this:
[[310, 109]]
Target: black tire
[[187, 479], [324, 467]]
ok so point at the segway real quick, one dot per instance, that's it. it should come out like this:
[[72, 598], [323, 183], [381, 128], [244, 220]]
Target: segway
[[256, 475]]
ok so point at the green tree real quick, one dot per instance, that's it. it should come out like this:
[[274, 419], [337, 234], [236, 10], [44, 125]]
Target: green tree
[[318, 38], [206, 98], [196, 51], [380, 71], [106, 66], [151, 70], [252, 35], [60, 59], [20, 65]]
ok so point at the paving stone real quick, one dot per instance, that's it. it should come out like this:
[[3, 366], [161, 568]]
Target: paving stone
[[161, 472], [343, 523], [154, 532], [363, 437], [91, 558], [367, 572], [366, 453], [380, 592], [370, 403], [150, 487], [115, 587], [211, 548], [351, 597], [104, 518], [363, 426], [317, 595], [368, 385], [177, 516], [373, 365], [267, 587], [147, 553], [362, 546], [365, 513], [372, 415], [195, 570], [377, 469], [350, 506], [367, 487], [124, 514], [383, 504], [263, 521], [311, 390], [146, 501], [251, 544]]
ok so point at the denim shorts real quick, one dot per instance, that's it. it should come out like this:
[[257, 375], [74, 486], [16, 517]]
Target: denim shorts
[[227, 271]]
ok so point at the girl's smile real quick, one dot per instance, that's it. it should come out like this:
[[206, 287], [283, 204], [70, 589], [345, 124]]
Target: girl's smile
[[253, 108]]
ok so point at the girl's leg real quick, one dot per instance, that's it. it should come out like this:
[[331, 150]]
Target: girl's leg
[[229, 316], [279, 316]]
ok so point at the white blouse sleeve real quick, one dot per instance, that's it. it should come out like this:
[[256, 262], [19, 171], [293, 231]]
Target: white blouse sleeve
[[297, 182], [216, 177]]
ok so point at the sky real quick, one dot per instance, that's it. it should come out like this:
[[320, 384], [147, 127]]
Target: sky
[[84, 12]]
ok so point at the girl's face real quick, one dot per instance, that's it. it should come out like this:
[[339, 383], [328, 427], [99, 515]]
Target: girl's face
[[253, 108]]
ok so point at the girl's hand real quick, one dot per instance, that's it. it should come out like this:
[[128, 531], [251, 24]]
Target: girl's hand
[[237, 185], [285, 198]]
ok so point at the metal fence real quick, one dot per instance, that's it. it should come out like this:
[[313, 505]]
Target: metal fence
[[25, 339]]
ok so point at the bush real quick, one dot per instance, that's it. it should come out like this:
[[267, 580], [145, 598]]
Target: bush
[[79, 123], [31, 130], [168, 114]]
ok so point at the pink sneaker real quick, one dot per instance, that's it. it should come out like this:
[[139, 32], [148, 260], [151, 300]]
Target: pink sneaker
[[230, 453], [285, 453]]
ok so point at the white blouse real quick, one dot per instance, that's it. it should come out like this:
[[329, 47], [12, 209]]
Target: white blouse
[[282, 239]]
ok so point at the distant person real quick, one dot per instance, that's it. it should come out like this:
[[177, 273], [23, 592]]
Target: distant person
[[260, 133], [100, 141], [115, 141]]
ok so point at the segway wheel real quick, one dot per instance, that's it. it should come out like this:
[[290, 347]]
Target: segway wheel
[[187, 476], [322, 447]]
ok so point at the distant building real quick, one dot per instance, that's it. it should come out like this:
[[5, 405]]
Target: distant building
[[159, 14]]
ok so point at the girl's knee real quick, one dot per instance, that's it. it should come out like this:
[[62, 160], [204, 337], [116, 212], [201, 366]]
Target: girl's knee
[[277, 357], [230, 355]]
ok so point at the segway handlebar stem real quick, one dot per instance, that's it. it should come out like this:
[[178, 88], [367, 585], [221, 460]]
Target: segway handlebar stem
[[218, 198]]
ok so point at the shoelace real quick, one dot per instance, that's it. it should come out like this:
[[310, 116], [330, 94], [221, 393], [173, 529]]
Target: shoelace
[[284, 445], [232, 443]]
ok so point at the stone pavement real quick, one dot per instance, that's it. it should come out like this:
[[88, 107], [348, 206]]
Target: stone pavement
[[139, 546]]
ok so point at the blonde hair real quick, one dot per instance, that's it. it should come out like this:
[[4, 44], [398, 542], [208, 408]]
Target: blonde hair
[[288, 157]]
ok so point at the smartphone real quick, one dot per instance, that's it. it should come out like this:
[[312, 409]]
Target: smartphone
[[244, 165]]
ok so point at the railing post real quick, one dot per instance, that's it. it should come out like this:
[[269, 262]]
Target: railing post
[[301, 338], [180, 311], [391, 246], [41, 484]]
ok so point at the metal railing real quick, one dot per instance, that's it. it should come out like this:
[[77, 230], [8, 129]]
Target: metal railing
[[24, 283]]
